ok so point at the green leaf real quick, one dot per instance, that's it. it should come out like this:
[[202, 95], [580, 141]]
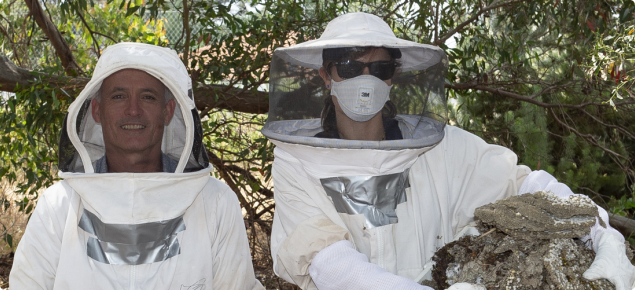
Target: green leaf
[[9, 239]]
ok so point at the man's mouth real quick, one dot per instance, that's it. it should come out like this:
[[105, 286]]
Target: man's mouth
[[132, 127]]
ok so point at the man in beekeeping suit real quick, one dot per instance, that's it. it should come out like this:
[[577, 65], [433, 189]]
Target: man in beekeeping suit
[[369, 181], [137, 207]]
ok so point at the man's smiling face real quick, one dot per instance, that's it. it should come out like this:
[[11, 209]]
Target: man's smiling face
[[132, 112]]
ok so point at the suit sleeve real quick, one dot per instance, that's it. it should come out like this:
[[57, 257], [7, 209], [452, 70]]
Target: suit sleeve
[[232, 263], [37, 256], [479, 173]]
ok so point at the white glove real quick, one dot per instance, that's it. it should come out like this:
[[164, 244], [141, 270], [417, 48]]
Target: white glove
[[611, 262], [541, 180], [340, 266], [610, 254], [466, 286]]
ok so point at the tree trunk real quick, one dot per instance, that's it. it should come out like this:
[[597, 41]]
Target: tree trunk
[[625, 225]]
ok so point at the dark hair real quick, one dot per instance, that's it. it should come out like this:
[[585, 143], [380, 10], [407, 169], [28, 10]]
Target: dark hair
[[330, 54]]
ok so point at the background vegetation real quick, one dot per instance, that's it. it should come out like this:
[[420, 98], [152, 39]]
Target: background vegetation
[[551, 80]]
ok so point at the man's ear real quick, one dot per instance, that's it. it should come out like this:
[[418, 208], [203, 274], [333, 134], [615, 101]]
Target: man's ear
[[325, 77], [169, 111], [95, 110]]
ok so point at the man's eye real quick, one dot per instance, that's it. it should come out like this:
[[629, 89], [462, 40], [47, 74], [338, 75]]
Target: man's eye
[[149, 97], [117, 97]]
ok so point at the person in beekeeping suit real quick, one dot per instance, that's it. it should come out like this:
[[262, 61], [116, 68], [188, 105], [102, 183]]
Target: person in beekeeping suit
[[136, 207], [369, 181]]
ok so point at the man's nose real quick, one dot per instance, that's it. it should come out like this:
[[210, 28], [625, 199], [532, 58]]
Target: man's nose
[[133, 108]]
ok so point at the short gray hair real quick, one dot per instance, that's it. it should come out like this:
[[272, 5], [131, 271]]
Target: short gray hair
[[168, 94]]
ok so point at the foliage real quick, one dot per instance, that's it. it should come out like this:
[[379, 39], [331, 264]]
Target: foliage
[[554, 71], [551, 80]]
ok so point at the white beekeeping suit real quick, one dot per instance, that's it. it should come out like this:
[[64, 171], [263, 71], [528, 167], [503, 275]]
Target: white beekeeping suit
[[369, 211], [177, 229]]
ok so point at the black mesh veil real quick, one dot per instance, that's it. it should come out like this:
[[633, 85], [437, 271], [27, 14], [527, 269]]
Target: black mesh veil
[[298, 97]]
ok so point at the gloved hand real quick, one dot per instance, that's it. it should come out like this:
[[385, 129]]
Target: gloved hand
[[466, 286], [340, 266], [611, 262]]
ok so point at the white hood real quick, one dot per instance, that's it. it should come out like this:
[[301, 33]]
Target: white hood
[[136, 197], [81, 143]]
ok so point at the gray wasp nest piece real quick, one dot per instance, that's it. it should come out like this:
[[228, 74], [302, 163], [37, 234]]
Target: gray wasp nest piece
[[541, 215], [528, 242]]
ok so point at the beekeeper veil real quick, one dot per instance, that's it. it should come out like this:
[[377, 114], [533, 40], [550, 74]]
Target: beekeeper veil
[[405, 85], [82, 142]]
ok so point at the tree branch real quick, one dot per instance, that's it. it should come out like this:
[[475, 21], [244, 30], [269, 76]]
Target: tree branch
[[472, 19], [218, 163], [11, 75], [225, 97], [230, 182], [624, 225], [55, 37], [587, 137], [95, 42], [530, 99], [206, 97], [186, 28]]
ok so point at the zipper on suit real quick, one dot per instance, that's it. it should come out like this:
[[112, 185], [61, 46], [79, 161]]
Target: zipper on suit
[[131, 285], [380, 248]]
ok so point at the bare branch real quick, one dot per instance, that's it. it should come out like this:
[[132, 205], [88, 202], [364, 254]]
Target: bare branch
[[528, 99], [225, 97], [95, 42], [55, 37], [218, 163], [11, 75], [186, 28], [587, 137], [626, 226], [230, 182], [619, 128], [472, 19], [389, 15], [207, 97]]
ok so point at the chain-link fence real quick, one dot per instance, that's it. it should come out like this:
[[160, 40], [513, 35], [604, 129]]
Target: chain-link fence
[[174, 26]]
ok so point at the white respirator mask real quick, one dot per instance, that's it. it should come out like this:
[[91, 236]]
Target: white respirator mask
[[361, 97]]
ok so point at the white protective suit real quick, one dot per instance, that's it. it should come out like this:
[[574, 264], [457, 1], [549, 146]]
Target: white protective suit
[[181, 230], [447, 183], [341, 204]]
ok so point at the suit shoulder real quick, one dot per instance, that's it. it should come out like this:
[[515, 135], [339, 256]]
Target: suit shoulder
[[57, 195], [216, 191]]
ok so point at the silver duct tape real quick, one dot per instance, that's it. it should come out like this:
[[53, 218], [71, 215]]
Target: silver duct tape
[[123, 254], [376, 197], [131, 244], [130, 233]]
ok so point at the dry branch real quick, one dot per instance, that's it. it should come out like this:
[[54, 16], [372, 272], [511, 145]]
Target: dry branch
[[625, 225], [11, 75], [206, 96], [472, 19], [55, 37]]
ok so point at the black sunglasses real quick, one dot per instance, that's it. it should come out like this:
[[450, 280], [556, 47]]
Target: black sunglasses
[[347, 69]]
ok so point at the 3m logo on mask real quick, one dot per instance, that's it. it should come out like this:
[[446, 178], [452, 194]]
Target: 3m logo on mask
[[364, 100]]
